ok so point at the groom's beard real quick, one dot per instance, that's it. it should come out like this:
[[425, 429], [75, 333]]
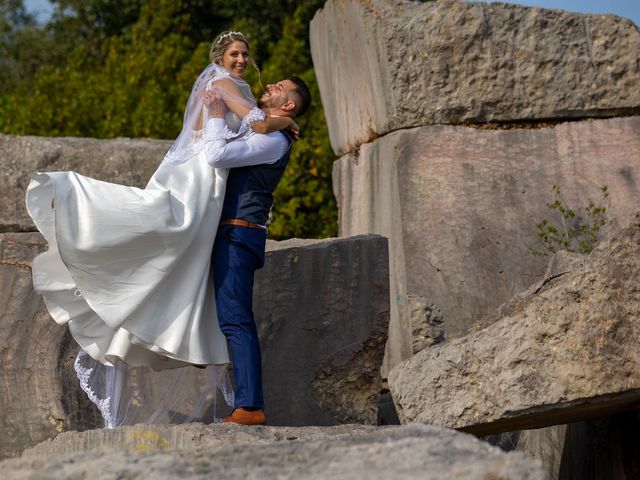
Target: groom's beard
[[262, 103]]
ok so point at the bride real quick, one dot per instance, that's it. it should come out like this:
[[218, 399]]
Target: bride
[[128, 269]]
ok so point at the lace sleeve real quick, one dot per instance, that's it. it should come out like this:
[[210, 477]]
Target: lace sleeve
[[255, 115]]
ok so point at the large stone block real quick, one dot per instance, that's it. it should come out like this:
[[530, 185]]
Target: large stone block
[[322, 310], [39, 396], [386, 64], [568, 351], [123, 160], [459, 206], [233, 452]]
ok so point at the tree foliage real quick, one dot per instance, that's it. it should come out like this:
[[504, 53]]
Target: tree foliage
[[124, 68]]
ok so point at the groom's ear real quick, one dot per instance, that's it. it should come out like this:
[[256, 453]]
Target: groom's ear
[[288, 106]]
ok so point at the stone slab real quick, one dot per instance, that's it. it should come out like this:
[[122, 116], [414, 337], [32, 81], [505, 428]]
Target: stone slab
[[39, 396], [146, 438], [383, 65], [409, 452], [121, 160], [322, 311], [459, 206], [564, 353]]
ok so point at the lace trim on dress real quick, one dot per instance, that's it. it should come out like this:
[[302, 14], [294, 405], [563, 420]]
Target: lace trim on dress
[[84, 375], [177, 157], [219, 377], [180, 156], [227, 134], [179, 396], [255, 115]]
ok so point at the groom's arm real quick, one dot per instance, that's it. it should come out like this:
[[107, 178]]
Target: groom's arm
[[245, 151]]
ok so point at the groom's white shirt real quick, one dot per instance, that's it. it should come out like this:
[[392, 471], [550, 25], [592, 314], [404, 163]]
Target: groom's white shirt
[[253, 149]]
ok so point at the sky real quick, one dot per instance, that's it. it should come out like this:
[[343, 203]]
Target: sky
[[624, 8]]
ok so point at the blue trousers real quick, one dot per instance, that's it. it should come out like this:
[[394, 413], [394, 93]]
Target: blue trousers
[[237, 253]]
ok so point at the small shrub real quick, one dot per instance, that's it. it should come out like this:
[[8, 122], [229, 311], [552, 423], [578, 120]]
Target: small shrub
[[572, 232]]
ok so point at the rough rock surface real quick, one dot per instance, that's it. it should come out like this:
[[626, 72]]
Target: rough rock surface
[[459, 206], [452, 62], [560, 264], [426, 324], [144, 438], [322, 311], [409, 452], [122, 160], [566, 353], [39, 394]]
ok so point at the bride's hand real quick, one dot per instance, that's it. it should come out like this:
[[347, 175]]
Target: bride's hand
[[292, 126], [274, 123], [212, 100], [294, 129]]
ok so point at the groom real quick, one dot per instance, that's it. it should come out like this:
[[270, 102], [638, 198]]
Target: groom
[[256, 166]]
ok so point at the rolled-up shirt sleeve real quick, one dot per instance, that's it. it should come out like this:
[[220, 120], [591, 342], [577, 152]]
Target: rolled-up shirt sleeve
[[254, 149]]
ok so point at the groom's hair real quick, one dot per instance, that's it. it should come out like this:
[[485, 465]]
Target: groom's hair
[[302, 94]]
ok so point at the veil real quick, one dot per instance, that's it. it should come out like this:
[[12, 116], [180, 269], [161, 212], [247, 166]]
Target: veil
[[189, 141], [125, 394]]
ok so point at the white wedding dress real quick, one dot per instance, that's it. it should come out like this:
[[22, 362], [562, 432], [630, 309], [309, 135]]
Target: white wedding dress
[[128, 269]]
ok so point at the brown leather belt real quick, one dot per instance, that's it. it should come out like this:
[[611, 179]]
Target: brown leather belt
[[238, 222]]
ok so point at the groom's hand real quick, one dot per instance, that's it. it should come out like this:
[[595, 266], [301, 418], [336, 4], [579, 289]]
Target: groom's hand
[[216, 107]]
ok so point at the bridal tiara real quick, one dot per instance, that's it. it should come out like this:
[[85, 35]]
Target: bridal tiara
[[228, 34]]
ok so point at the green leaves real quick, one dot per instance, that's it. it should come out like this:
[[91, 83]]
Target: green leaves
[[304, 202], [125, 68], [572, 232]]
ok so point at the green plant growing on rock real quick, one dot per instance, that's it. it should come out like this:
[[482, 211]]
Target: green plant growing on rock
[[573, 232]]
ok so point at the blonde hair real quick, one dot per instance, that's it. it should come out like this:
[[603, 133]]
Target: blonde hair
[[222, 42]]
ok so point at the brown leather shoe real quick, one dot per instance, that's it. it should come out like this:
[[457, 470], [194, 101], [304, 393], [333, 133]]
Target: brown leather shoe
[[246, 417]]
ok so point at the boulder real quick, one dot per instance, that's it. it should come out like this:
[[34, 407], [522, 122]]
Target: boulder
[[567, 352], [383, 65], [322, 309], [460, 206], [122, 160], [409, 452]]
